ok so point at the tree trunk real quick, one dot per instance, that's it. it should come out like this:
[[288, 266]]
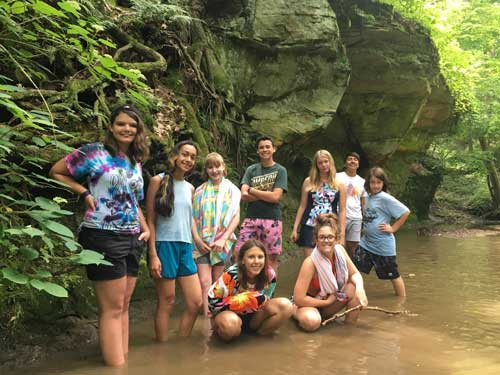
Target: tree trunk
[[493, 178]]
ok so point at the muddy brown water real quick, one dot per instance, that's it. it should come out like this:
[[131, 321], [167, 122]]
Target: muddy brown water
[[453, 287]]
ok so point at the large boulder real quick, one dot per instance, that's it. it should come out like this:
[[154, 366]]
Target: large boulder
[[285, 61]]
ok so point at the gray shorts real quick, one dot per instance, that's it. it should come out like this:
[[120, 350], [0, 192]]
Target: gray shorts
[[353, 230], [205, 259]]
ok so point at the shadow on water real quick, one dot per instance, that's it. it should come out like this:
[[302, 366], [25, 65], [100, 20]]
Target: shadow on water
[[452, 284]]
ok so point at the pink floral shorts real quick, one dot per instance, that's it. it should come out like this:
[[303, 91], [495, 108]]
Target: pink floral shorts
[[268, 231]]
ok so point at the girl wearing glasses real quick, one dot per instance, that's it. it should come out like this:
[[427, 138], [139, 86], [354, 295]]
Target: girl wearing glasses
[[328, 281]]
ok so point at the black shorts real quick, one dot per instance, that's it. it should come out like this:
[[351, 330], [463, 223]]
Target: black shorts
[[245, 323], [306, 236], [385, 266], [123, 250]]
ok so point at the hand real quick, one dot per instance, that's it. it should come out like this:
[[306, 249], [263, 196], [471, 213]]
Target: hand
[[294, 236], [218, 245], [155, 267], [202, 246], [89, 202], [144, 236], [363, 300], [385, 228]]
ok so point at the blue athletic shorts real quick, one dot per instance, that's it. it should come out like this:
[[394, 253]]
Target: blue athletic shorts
[[176, 259]]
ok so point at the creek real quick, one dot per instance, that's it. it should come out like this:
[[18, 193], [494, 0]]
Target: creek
[[453, 288]]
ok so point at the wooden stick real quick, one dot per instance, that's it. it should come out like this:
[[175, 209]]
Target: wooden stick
[[359, 307]]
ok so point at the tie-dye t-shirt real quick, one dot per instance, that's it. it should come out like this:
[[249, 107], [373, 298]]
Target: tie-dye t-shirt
[[115, 184]]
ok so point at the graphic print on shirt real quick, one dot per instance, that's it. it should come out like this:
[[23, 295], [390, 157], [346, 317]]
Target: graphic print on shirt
[[370, 215], [352, 191], [264, 182]]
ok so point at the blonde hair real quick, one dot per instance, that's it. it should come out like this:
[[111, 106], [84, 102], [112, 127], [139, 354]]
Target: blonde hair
[[213, 158], [314, 175]]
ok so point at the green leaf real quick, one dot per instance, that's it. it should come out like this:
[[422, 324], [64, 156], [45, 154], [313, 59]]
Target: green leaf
[[91, 257], [71, 245], [138, 97], [62, 146], [58, 228], [44, 8], [14, 276], [29, 253], [107, 62], [107, 43], [70, 6], [77, 30], [18, 7], [42, 274], [37, 284], [38, 141], [15, 231], [33, 232], [47, 204], [54, 289]]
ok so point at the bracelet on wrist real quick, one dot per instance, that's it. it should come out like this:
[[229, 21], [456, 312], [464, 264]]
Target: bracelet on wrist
[[85, 194]]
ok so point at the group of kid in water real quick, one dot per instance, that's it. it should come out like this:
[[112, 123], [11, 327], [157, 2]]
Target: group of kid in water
[[191, 237]]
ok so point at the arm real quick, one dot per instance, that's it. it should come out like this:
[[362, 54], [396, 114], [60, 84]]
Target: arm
[[342, 211], [356, 278], [60, 172], [397, 224], [273, 196], [221, 242], [200, 244], [144, 226], [300, 211], [245, 196], [154, 261], [300, 297]]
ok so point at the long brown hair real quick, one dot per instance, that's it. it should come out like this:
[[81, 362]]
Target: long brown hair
[[139, 149], [314, 175], [262, 279], [164, 198]]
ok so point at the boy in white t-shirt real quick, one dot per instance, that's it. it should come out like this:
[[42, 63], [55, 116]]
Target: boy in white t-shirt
[[355, 200]]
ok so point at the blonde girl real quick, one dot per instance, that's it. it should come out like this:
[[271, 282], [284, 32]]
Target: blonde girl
[[216, 212], [321, 193]]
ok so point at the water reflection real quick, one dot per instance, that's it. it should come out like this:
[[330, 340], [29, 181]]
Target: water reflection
[[452, 284]]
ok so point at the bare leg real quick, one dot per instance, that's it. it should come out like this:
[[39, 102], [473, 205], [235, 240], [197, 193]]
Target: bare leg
[[309, 318], [125, 320], [205, 275], [307, 251], [337, 306], [191, 290], [272, 315], [111, 298], [399, 286], [165, 291], [228, 325], [351, 247]]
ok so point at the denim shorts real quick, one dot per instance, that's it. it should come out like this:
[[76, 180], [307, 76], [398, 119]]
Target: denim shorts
[[123, 250], [385, 266]]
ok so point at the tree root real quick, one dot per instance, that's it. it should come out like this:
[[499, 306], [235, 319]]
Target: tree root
[[360, 307]]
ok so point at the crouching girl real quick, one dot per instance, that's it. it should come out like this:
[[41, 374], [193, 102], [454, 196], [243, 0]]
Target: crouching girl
[[240, 300]]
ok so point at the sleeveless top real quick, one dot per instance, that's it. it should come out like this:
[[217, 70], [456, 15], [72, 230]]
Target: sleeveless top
[[323, 201], [178, 226]]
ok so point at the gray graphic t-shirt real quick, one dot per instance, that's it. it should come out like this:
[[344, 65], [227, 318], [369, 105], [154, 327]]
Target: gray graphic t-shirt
[[265, 179]]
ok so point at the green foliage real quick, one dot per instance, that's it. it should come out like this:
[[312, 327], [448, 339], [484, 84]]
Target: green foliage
[[467, 35], [39, 40]]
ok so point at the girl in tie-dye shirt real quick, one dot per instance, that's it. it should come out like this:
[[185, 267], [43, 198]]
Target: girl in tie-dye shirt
[[113, 224], [241, 299]]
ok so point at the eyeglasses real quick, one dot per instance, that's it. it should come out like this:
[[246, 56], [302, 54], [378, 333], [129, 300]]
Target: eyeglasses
[[326, 238]]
